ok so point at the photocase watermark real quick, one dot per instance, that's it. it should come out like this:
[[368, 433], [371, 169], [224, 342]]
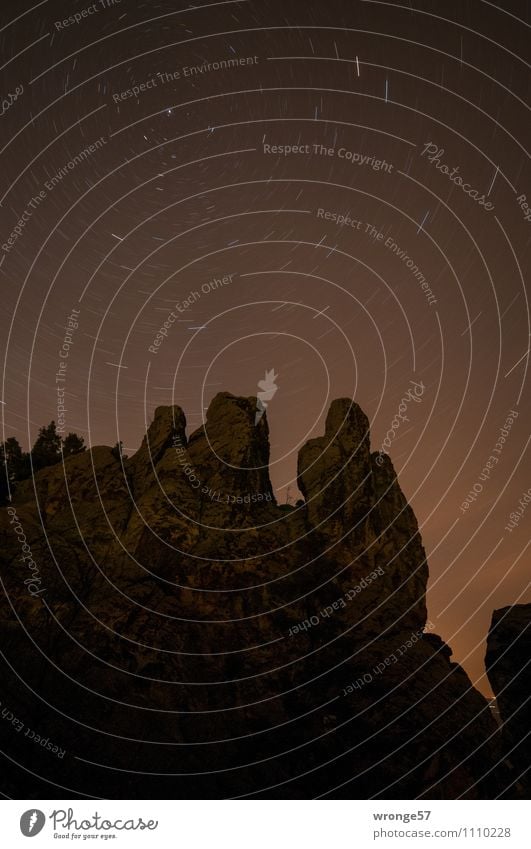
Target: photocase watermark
[[32, 822], [17, 724], [214, 494], [367, 228], [517, 514], [339, 218], [50, 184], [66, 824], [413, 395], [72, 325], [491, 463], [524, 206], [18, 229], [391, 659], [339, 604], [93, 9], [65, 819], [402, 255], [315, 149], [267, 390], [435, 154], [33, 584], [219, 65], [182, 307], [76, 160], [11, 97], [161, 78]]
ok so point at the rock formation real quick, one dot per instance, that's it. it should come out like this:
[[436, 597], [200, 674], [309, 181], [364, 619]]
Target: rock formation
[[195, 639], [508, 663]]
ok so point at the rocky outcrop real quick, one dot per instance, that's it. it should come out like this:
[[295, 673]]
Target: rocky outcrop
[[206, 642], [508, 663], [356, 513]]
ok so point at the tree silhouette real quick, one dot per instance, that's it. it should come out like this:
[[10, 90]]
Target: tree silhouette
[[47, 448], [4, 490], [15, 466], [73, 444], [15, 463], [118, 451], [16, 459]]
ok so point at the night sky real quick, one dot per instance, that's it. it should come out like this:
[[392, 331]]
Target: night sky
[[337, 191]]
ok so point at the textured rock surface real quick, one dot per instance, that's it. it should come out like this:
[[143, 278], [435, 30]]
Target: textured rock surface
[[508, 663], [207, 642]]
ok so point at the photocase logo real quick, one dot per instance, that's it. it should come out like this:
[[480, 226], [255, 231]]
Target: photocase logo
[[32, 822], [267, 388]]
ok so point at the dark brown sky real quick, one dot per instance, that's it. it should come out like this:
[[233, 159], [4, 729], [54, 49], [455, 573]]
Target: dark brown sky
[[181, 190]]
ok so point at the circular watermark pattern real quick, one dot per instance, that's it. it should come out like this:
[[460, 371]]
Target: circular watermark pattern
[[266, 357]]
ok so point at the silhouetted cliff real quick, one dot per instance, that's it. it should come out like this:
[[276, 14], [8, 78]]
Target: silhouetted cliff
[[187, 636], [508, 663]]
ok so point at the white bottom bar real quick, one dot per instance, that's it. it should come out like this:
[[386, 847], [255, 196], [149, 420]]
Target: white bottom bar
[[266, 824]]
